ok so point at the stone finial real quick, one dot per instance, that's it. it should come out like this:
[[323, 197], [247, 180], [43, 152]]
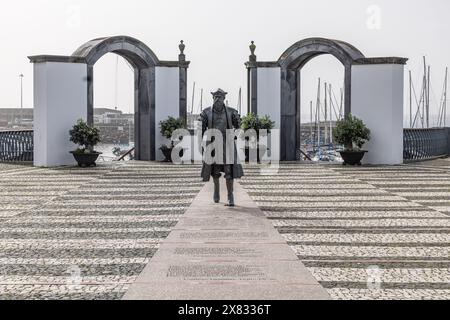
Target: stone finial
[[182, 56], [252, 50], [182, 46]]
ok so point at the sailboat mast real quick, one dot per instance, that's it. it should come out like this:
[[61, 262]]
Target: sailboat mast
[[240, 101], [424, 91], [445, 96], [116, 84], [193, 98], [331, 116], [326, 114], [410, 101], [428, 96], [201, 100], [318, 116], [311, 121]]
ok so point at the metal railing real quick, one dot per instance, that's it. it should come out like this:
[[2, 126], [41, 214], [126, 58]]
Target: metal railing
[[425, 144], [419, 144], [16, 146]]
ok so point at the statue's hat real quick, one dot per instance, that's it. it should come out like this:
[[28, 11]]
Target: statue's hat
[[219, 92]]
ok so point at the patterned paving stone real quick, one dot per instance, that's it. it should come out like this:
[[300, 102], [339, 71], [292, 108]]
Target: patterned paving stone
[[71, 233], [374, 239], [359, 227]]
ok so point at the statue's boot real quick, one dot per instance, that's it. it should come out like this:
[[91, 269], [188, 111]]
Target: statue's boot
[[216, 190], [230, 193]]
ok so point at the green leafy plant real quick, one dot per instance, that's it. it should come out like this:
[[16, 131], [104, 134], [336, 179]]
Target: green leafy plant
[[253, 121], [266, 124], [85, 136], [351, 132], [169, 126]]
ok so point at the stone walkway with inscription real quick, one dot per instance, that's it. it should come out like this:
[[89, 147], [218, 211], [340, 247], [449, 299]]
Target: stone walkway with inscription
[[221, 253]]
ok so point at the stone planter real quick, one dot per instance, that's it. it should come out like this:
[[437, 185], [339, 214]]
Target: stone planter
[[86, 159], [353, 157], [167, 152]]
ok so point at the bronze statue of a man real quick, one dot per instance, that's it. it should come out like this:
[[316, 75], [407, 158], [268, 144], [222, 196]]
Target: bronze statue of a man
[[222, 118]]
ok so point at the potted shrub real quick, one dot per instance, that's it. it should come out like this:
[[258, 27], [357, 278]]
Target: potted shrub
[[255, 122], [87, 138], [352, 133], [167, 129]]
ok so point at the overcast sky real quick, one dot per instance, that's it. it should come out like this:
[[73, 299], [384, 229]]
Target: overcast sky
[[217, 35]]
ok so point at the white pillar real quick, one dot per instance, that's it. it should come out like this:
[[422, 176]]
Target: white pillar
[[167, 102], [60, 99], [377, 99]]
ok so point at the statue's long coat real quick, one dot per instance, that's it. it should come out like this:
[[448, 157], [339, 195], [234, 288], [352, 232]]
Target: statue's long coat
[[233, 122]]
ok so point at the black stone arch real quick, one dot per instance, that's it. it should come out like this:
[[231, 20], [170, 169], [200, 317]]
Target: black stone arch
[[291, 63], [144, 62], [134, 51], [301, 52]]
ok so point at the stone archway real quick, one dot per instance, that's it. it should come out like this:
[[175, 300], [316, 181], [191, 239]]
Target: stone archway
[[291, 62], [160, 91], [144, 62], [274, 88]]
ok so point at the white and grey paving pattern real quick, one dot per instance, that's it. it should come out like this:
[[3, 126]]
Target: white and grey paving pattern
[[70, 233], [364, 232]]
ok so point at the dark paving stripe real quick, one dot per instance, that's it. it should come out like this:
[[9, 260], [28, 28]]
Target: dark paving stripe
[[299, 182], [412, 189], [371, 244], [400, 229], [390, 262], [167, 196], [324, 200], [378, 218], [88, 207], [77, 253], [340, 209], [387, 285], [131, 193], [94, 212], [143, 178], [434, 204], [428, 197], [88, 235], [91, 225], [382, 231], [61, 270], [63, 296], [318, 195], [415, 185]]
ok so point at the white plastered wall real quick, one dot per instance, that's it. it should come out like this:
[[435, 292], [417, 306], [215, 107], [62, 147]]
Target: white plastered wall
[[167, 101], [60, 99], [377, 98], [269, 99], [269, 94]]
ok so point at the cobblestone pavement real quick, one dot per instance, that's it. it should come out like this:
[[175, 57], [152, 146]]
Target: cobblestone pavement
[[71, 233], [364, 232]]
